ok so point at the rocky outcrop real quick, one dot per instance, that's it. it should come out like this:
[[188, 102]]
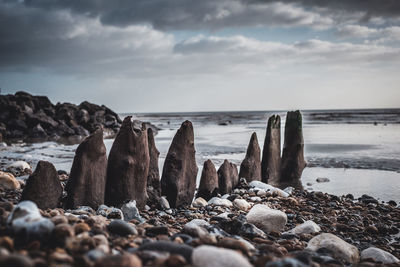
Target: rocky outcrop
[[153, 178], [228, 177], [28, 117], [178, 181], [43, 187], [271, 159], [208, 182], [250, 169], [87, 180], [128, 166], [293, 162]]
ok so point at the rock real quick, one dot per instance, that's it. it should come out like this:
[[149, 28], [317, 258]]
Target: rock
[[228, 177], [293, 162], [122, 228], [250, 169], [87, 180], [170, 247], [241, 204], [27, 223], [63, 231], [322, 180], [268, 188], [153, 178], [208, 182], [8, 181], [164, 203], [216, 201], [378, 255], [110, 212], [267, 219], [288, 262], [199, 202], [19, 165], [124, 260], [128, 167], [43, 187], [131, 212], [16, 260], [178, 181], [209, 256], [340, 249], [271, 159], [308, 227], [196, 228]]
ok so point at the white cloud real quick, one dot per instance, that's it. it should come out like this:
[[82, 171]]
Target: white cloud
[[364, 32]]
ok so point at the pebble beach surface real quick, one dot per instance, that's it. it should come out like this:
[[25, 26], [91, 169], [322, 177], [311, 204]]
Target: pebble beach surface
[[256, 225]]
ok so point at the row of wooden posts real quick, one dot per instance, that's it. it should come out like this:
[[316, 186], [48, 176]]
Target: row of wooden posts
[[131, 171]]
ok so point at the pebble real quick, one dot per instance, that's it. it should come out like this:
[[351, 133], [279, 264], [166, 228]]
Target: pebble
[[16, 260], [308, 227], [125, 260], [27, 222], [19, 165], [263, 186], [110, 212], [267, 219], [170, 247], [196, 227], [340, 249], [209, 256], [164, 203], [122, 228], [378, 255], [322, 180], [8, 181], [241, 204], [216, 201], [199, 202], [131, 212], [288, 262]]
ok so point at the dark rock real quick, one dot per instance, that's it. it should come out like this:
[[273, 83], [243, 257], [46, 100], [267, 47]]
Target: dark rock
[[171, 247], [16, 260], [156, 230], [293, 162], [208, 182], [251, 165], [228, 177], [178, 181], [121, 228], [153, 178], [43, 186], [271, 159], [87, 180], [128, 167], [38, 132], [124, 260]]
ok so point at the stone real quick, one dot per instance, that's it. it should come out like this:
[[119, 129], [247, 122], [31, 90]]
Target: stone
[[322, 180], [287, 262], [16, 260], [110, 212], [199, 202], [178, 181], [271, 159], [209, 256], [87, 179], [241, 204], [196, 228], [8, 181], [208, 187], [293, 162], [170, 247], [378, 255], [308, 227], [122, 228], [340, 249], [131, 212], [43, 187], [19, 165], [128, 166], [164, 203], [267, 219], [153, 177], [268, 188], [228, 177], [28, 224], [250, 169], [124, 260], [216, 201]]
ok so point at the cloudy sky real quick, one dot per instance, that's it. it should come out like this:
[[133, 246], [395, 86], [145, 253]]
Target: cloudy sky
[[197, 55]]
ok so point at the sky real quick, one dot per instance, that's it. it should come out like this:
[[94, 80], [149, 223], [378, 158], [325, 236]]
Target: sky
[[203, 55]]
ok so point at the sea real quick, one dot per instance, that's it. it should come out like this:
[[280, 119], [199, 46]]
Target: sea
[[357, 150]]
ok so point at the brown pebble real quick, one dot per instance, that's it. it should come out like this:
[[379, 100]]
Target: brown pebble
[[175, 261], [126, 260], [81, 227], [7, 242]]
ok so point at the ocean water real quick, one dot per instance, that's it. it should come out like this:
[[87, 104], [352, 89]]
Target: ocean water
[[357, 150]]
